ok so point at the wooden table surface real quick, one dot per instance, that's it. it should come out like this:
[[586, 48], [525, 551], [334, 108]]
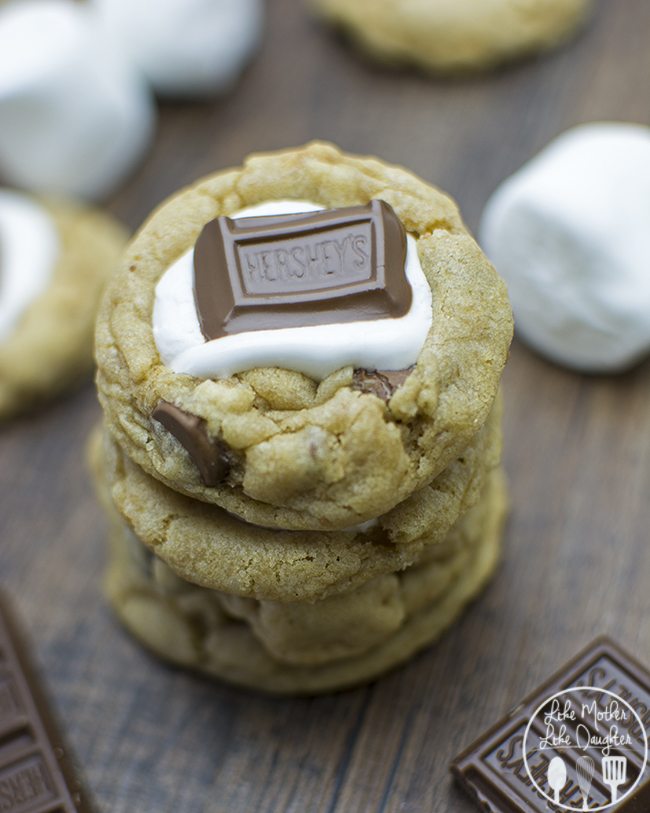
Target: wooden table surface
[[577, 553]]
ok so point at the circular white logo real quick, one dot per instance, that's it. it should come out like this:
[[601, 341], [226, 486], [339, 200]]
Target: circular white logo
[[595, 749]]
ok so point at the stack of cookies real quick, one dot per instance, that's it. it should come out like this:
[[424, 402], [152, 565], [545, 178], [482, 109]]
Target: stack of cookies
[[299, 365]]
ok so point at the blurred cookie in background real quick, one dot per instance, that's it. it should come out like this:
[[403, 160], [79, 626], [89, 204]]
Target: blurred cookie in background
[[185, 47], [570, 234], [54, 260], [447, 36], [75, 116]]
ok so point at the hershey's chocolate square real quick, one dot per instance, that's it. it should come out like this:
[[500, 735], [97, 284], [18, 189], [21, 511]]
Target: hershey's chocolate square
[[333, 266], [36, 771], [579, 742]]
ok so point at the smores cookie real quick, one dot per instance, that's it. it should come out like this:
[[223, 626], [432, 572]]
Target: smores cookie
[[304, 341]]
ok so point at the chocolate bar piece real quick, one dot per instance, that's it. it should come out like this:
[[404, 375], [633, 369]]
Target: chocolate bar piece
[[579, 742], [211, 457], [381, 383], [326, 267], [36, 771]]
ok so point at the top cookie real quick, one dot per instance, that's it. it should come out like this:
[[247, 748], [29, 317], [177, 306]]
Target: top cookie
[[454, 35], [275, 446]]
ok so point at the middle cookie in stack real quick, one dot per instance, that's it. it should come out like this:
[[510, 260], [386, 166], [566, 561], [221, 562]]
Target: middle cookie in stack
[[252, 444]]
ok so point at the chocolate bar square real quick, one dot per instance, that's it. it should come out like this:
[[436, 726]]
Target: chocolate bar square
[[37, 774], [557, 749], [324, 267]]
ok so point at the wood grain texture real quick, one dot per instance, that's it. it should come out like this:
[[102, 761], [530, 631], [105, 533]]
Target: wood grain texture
[[577, 558]]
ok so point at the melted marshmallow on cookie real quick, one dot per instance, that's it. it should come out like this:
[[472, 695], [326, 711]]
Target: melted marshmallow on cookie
[[315, 350], [29, 248]]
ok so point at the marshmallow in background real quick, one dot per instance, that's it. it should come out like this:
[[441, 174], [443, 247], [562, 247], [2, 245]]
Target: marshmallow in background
[[74, 117], [185, 47], [570, 233]]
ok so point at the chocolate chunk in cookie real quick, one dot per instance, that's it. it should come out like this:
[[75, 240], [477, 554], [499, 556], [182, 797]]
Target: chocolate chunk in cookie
[[210, 456], [382, 384]]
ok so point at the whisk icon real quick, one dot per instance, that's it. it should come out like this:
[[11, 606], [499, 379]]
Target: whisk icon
[[585, 770]]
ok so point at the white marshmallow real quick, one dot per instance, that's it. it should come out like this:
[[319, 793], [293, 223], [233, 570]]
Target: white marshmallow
[[570, 233], [29, 251], [75, 117], [185, 47], [315, 350]]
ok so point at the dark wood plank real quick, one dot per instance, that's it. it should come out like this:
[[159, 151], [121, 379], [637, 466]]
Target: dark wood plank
[[577, 557]]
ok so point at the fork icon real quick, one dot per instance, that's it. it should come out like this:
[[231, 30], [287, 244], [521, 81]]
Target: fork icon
[[614, 774]]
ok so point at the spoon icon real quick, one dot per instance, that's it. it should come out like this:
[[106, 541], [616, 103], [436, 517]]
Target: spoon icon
[[556, 777]]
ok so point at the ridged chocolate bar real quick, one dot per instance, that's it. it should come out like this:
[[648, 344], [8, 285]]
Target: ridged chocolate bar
[[36, 771], [324, 267], [493, 770]]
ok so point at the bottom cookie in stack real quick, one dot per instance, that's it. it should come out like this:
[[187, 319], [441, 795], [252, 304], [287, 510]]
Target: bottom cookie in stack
[[348, 636]]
